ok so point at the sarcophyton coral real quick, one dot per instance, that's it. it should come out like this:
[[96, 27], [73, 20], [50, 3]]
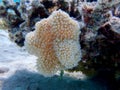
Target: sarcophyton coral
[[55, 42]]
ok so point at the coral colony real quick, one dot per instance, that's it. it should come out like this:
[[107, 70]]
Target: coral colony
[[55, 42], [73, 35]]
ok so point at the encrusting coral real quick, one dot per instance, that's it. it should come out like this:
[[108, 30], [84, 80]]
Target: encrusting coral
[[55, 42], [3, 24]]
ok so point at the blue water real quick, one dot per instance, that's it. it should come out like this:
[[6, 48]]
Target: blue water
[[13, 0], [16, 0]]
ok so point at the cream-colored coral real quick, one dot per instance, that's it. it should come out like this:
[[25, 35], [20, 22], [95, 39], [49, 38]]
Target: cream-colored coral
[[3, 24], [55, 42]]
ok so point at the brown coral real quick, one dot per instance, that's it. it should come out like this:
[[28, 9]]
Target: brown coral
[[55, 42]]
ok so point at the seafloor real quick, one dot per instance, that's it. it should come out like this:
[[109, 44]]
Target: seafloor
[[18, 72]]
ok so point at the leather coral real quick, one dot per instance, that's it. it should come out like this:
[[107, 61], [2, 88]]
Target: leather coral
[[55, 42]]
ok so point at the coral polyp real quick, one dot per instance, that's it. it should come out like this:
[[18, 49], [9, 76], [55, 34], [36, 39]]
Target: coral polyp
[[55, 42]]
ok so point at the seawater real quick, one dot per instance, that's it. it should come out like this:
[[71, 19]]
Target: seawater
[[16, 0], [13, 0]]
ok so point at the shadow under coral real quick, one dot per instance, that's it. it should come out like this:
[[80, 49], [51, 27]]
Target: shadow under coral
[[26, 80]]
